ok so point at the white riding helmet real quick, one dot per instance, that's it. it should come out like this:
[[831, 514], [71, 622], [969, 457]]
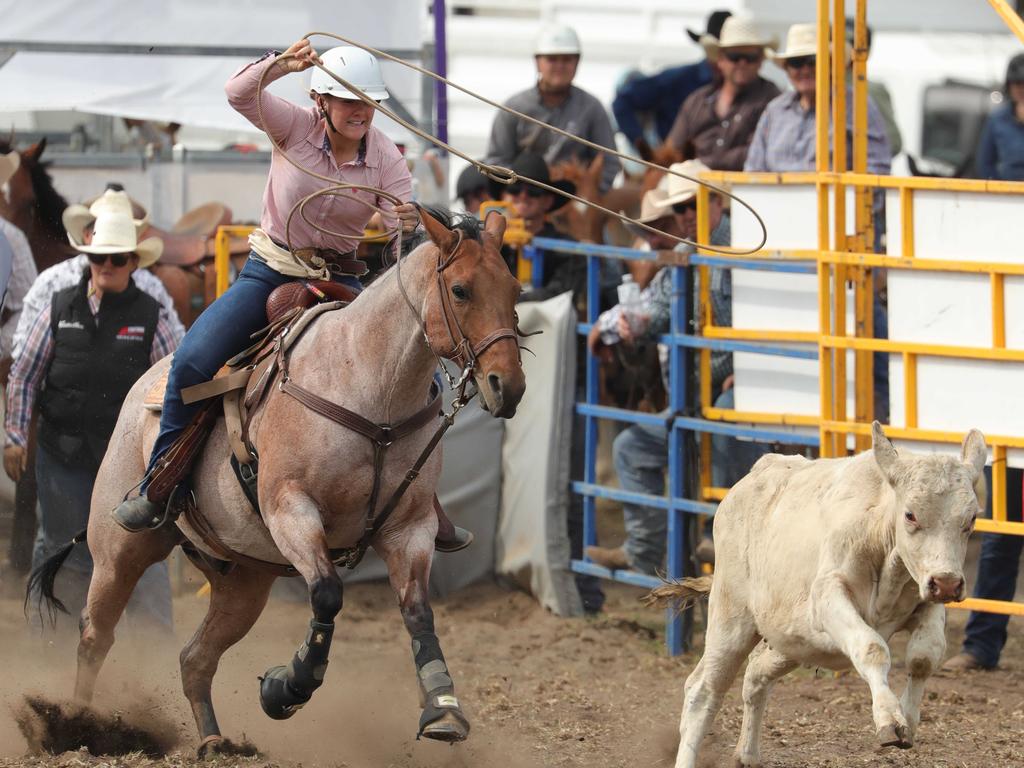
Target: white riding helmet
[[355, 65], [557, 39]]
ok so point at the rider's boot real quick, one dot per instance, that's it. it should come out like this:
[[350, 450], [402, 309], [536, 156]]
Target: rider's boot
[[450, 537], [139, 514]]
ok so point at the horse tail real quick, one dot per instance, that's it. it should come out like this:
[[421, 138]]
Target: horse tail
[[683, 593], [41, 580]]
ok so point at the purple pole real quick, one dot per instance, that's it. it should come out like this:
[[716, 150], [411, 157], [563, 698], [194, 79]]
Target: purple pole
[[441, 68]]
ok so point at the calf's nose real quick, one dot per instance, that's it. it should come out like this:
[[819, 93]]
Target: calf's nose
[[946, 588]]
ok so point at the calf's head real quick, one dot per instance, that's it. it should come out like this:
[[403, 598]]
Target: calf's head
[[938, 499]]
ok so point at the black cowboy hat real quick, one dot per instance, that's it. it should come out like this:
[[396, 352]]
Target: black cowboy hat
[[532, 165], [715, 21]]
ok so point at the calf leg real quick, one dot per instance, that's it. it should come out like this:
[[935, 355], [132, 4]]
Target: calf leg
[[408, 560], [925, 650], [236, 600], [763, 669], [835, 614], [730, 637], [298, 531]]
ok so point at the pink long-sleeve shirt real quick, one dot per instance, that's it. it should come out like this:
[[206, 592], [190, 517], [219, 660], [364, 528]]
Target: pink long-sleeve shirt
[[303, 135]]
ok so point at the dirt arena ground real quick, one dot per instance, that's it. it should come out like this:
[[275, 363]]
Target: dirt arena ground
[[540, 691]]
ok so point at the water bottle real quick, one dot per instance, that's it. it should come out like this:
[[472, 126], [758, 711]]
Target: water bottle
[[629, 301]]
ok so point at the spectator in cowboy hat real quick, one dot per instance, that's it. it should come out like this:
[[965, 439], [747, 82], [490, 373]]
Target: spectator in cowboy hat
[[656, 99], [716, 122], [533, 204], [82, 356], [556, 101], [785, 136]]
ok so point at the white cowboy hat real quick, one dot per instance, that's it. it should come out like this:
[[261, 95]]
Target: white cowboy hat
[[9, 166], [740, 31], [679, 190], [801, 40], [114, 229]]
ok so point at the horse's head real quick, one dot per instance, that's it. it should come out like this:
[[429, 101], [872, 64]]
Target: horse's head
[[19, 197], [471, 318]]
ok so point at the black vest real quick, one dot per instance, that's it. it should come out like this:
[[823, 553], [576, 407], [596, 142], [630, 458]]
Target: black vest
[[96, 360]]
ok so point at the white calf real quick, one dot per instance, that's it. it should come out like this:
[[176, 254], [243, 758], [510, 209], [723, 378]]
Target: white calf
[[819, 563]]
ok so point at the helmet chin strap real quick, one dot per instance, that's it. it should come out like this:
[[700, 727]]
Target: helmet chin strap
[[325, 116]]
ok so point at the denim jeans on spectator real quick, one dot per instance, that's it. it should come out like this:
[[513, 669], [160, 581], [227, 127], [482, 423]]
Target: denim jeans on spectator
[[998, 566], [65, 494], [640, 453], [223, 330]]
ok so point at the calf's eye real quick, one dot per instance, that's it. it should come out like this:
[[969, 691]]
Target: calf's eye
[[909, 517]]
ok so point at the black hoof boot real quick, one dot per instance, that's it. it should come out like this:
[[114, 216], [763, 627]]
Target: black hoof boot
[[285, 690], [442, 719], [277, 698]]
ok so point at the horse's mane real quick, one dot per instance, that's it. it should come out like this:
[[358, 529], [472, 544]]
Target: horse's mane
[[468, 224], [50, 204]]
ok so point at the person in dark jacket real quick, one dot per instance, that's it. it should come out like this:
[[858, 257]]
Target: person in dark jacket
[[82, 356], [1001, 147]]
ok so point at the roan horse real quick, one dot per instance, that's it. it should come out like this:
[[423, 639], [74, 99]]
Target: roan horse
[[316, 476]]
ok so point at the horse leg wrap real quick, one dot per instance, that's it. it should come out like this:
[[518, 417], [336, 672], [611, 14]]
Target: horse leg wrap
[[437, 693], [285, 690]]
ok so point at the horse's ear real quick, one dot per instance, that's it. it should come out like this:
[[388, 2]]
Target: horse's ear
[[439, 234], [494, 228], [35, 151]]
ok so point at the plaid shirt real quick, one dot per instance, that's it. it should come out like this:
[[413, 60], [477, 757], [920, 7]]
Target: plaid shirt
[[29, 370], [69, 272], [656, 303]]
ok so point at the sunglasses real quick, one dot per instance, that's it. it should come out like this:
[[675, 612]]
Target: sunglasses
[[515, 189], [737, 56], [799, 62], [681, 208], [117, 259]]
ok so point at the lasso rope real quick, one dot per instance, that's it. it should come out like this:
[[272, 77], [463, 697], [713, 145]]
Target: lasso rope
[[507, 176]]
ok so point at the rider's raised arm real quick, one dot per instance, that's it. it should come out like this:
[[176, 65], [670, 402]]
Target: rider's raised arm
[[281, 118]]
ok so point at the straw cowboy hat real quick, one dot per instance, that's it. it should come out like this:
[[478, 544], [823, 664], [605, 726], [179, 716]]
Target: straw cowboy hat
[[9, 166], [114, 228], [801, 40], [739, 32], [671, 190]]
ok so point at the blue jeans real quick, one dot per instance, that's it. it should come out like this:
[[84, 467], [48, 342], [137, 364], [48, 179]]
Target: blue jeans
[[65, 493], [223, 330], [997, 578], [640, 453]]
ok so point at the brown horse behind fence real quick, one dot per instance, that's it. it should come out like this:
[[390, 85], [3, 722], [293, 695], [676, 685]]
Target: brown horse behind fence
[[316, 476]]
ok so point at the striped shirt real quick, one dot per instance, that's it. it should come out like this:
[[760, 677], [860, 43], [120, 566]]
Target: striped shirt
[[29, 370], [301, 132], [785, 138]]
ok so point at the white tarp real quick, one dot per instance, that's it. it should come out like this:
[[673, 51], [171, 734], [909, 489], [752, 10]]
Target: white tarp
[[533, 541], [185, 89]]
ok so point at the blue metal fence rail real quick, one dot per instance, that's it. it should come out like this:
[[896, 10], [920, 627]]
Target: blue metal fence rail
[[682, 342]]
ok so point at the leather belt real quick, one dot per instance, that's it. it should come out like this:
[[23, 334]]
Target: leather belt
[[345, 263]]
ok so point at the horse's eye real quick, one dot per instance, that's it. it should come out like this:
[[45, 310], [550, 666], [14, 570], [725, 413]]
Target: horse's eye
[[910, 518], [459, 292]]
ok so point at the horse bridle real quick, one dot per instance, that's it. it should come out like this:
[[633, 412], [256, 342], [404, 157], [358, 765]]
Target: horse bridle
[[462, 352]]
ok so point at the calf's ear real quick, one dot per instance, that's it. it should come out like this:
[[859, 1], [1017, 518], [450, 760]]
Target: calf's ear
[[974, 452], [885, 454]]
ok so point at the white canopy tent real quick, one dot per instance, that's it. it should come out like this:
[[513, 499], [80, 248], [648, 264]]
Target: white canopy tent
[[168, 60]]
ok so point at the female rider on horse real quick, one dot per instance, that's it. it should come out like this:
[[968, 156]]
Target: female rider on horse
[[335, 139]]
